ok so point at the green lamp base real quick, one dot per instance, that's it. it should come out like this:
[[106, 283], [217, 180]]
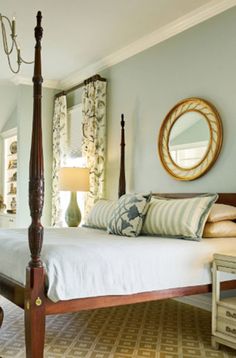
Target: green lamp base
[[73, 214]]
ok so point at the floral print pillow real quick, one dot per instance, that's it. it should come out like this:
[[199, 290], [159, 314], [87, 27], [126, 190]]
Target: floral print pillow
[[128, 214]]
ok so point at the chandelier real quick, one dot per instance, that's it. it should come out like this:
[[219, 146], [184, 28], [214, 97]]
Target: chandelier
[[10, 44]]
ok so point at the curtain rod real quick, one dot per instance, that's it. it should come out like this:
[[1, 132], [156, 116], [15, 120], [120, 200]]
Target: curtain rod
[[85, 82]]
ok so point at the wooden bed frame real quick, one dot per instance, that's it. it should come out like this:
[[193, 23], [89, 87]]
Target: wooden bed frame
[[32, 297]]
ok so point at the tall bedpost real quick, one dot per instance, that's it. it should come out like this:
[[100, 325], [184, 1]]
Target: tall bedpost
[[122, 185], [36, 175], [34, 293]]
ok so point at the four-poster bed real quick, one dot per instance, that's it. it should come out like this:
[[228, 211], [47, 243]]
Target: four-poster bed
[[32, 296]]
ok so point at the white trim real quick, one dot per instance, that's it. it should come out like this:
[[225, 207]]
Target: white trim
[[183, 23], [9, 133], [201, 301], [7, 215], [20, 80], [189, 145], [74, 108]]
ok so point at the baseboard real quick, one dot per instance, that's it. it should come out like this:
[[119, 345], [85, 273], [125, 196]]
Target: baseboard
[[204, 301], [201, 301]]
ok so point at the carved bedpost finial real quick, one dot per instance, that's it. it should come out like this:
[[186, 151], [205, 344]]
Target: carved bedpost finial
[[39, 18], [122, 122], [36, 171], [122, 184], [38, 31]]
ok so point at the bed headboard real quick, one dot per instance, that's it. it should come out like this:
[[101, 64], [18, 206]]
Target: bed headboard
[[224, 198]]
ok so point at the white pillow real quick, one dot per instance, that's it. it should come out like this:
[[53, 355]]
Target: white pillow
[[224, 228], [100, 214], [220, 212], [181, 218]]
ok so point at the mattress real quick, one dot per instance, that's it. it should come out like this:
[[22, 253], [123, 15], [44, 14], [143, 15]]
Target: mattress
[[82, 262]]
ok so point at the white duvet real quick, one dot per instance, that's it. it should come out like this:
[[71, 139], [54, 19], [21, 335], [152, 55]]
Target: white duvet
[[82, 262]]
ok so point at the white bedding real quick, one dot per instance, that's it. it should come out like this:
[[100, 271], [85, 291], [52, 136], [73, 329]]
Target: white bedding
[[88, 262]]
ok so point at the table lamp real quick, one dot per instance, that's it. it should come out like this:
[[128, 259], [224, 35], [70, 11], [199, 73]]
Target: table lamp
[[73, 180]]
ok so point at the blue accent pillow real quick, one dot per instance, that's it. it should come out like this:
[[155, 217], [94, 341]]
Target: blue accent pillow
[[128, 214]]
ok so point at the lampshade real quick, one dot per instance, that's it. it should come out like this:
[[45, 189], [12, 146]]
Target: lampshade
[[74, 179]]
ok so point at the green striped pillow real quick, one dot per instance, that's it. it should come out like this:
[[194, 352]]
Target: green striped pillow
[[182, 218], [100, 214]]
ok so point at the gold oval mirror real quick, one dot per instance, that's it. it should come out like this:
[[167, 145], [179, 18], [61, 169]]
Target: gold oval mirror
[[190, 139]]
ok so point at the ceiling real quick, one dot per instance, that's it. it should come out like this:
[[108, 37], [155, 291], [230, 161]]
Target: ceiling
[[79, 33]]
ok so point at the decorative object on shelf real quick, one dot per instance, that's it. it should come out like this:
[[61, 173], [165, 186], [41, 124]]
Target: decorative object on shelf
[[13, 147], [2, 205], [190, 139], [10, 169], [12, 189], [14, 46], [12, 164], [13, 205], [73, 180], [13, 177]]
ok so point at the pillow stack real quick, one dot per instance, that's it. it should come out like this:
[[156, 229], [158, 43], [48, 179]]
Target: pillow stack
[[220, 222], [190, 218]]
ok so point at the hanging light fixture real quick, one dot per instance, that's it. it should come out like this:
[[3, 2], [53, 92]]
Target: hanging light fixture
[[14, 47]]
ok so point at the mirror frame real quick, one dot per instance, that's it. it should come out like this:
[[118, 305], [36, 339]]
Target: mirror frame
[[216, 137]]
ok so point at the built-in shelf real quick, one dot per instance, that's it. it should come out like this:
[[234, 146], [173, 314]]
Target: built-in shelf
[[10, 170]]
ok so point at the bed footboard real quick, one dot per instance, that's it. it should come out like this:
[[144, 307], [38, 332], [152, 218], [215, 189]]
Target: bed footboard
[[12, 290]]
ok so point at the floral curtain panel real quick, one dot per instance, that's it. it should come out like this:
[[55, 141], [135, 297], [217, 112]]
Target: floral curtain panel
[[60, 145], [94, 137]]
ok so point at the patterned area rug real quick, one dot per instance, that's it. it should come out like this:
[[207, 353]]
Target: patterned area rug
[[161, 329]]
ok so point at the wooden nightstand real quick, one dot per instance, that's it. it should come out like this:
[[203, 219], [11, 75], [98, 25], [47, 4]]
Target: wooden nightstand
[[223, 309]]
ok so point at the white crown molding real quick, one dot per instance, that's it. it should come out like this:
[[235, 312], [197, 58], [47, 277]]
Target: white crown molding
[[183, 23], [9, 133], [20, 80]]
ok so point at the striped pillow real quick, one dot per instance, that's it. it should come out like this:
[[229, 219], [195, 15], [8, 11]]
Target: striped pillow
[[100, 214], [182, 218]]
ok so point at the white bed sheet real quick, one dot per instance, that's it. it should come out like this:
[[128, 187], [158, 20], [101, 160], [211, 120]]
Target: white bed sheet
[[82, 262]]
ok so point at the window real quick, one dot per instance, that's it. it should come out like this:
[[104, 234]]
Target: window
[[74, 117], [74, 158], [188, 155]]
